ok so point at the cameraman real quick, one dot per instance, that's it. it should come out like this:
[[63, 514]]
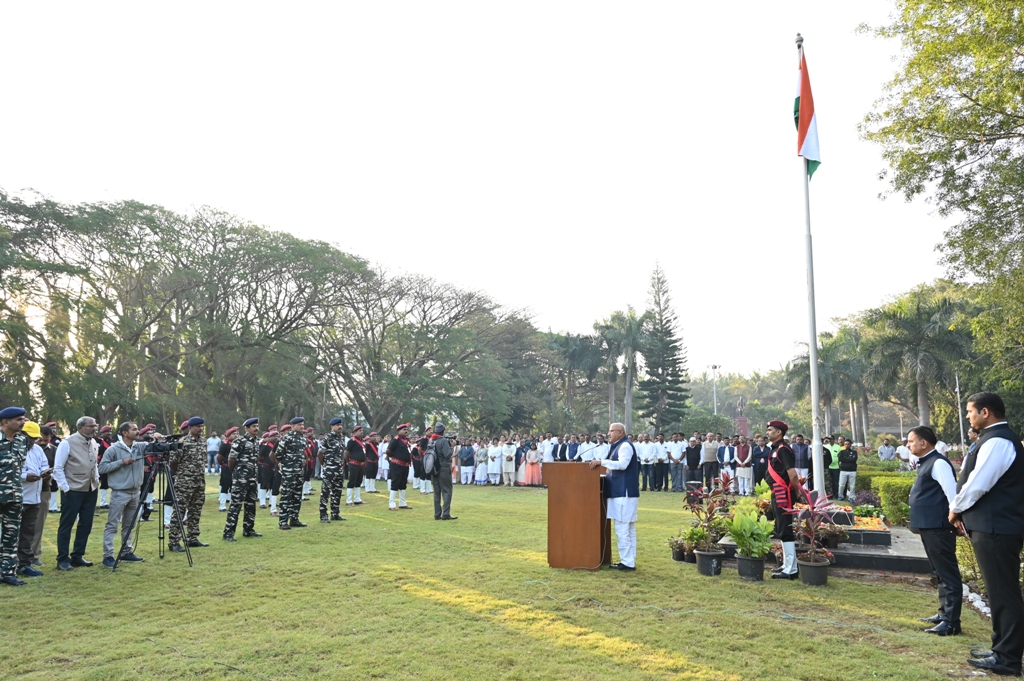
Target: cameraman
[[123, 463]]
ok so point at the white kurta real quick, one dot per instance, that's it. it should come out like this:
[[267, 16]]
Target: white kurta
[[622, 509], [508, 466], [494, 464]]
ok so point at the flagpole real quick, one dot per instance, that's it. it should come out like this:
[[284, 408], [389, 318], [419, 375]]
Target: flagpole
[[812, 358]]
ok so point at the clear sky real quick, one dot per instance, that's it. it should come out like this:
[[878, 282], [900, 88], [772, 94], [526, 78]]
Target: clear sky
[[547, 153]]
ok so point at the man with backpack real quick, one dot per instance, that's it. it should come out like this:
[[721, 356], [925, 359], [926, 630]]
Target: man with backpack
[[437, 463]]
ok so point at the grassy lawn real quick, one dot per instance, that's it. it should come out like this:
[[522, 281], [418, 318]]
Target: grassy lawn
[[400, 596]]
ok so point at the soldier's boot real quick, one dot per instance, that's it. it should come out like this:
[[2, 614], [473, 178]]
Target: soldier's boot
[[296, 523], [336, 517], [251, 533], [325, 519], [229, 537]]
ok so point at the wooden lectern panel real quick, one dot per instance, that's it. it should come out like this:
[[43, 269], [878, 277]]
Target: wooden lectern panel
[[579, 535]]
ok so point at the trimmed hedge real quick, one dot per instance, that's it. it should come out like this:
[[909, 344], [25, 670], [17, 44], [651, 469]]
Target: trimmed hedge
[[895, 496], [867, 476]]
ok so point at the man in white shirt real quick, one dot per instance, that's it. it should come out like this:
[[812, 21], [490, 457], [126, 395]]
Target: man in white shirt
[[675, 450], [76, 472], [645, 450], [623, 493], [905, 455], [34, 474], [212, 447], [660, 463], [988, 509], [587, 449]]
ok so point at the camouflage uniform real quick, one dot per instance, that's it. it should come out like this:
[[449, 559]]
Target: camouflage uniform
[[333, 477], [291, 454], [189, 486], [244, 453], [12, 459]]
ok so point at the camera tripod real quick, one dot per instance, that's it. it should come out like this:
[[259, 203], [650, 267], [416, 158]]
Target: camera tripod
[[162, 480]]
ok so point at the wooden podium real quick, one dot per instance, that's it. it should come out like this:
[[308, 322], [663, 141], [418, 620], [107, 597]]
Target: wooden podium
[[579, 534]]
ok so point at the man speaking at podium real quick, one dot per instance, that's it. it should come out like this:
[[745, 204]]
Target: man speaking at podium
[[622, 485]]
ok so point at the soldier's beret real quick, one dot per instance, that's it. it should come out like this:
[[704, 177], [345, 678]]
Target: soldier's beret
[[272, 427], [373, 433], [334, 422], [196, 421], [266, 434], [781, 425], [356, 429], [50, 424], [106, 429], [229, 431], [404, 425], [285, 427], [249, 422], [184, 425], [297, 420], [11, 412], [309, 430]]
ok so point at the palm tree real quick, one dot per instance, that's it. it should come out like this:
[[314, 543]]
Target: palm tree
[[580, 355], [610, 351], [627, 334], [837, 373], [916, 342]]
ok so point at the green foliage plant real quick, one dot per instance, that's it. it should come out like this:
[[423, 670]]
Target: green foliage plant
[[751, 532]]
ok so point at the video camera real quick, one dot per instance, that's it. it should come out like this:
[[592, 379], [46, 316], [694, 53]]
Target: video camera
[[162, 448]]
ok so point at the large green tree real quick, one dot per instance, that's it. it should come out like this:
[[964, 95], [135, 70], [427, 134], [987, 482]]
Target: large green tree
[[663, 390]]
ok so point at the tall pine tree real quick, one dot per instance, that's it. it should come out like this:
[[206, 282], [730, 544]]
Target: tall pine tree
[[663, 392]]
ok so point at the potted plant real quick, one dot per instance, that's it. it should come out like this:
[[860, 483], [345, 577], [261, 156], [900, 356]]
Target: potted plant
[[678, 546], [809, 522], [753, 536], [830, 534], [763, 497], [706, 509]]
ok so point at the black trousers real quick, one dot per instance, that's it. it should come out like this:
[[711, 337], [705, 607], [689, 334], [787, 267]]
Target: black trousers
[[833, 476], [712, 469], [661, 475], [999, 559], [80, 506], [940, 546]]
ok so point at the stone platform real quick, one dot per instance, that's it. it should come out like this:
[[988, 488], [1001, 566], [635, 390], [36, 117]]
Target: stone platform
[[903, 553]]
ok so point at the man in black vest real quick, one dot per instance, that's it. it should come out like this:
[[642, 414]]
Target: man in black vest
[[988, 509], [930, 497]]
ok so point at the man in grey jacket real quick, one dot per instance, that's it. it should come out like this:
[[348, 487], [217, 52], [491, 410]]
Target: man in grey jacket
[[443, 480], [124, 465]]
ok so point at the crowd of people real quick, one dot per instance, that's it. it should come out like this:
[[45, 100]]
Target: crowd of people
[[274, 468]]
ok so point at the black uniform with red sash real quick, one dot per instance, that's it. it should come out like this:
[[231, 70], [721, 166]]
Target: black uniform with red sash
[[372, 460], [781, 460], [399, 459], [356, 458]]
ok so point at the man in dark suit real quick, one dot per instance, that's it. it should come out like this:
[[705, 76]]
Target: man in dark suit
[[987, 509]]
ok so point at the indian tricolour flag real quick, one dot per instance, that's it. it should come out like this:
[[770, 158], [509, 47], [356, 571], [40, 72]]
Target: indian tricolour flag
[[806, 123]]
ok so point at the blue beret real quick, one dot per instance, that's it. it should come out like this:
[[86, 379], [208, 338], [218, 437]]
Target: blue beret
[[297, 420], [11, 413], [334, 422], [196, 421], [250, 422]]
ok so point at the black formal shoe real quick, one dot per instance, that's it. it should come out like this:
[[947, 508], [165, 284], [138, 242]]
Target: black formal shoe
[[982, 653], [131, 558], [336, 517], [284, 527], [783, 575], [195, 543], [934, 619], [64, 565], [449, 517], [229, 537], [109, 562], [80, 562], [251, 533], [296, 523], [944, 629], [11, 580], [776, 570], [177, 548], [991, 664], [620, 566]]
